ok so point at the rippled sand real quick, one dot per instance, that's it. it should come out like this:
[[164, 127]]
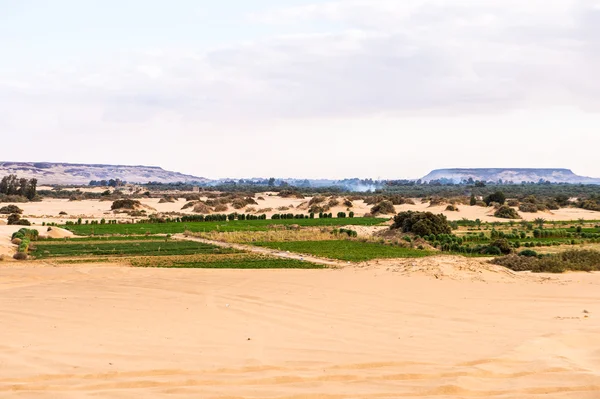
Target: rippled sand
[[383, 331]]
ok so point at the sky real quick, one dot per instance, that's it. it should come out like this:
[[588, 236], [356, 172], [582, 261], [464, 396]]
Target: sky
[[384, 89]]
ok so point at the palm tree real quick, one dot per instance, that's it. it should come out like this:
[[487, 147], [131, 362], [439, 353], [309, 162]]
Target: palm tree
[[540, 222]]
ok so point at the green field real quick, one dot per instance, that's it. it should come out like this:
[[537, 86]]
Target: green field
[[102, 239], [245, 261], [353, 251], [121, 248], [236, 225]]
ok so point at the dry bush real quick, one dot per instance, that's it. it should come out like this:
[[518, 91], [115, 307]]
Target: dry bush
[[318, 208], [383, 208], [192, 197], [238, 203], [188, 205], [512, 202], [436, 201], [348, 203], [356, 198], [20, 256], [167, 199], [9, 209], [16, 241], [481, 204], [316, 200], [261, 198], [452, 208], [291, 234], [221, 208], [333, 202], [125, 204], [283, 208], [302, 205], [264, 210], [216, 202], [460, 200], [201, 207], [290, 194], [251, 209], [528, 207]]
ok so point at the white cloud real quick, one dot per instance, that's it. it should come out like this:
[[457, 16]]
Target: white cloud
[[389, 57], [379, 60]]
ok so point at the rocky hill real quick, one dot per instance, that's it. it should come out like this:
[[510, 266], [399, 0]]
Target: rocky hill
[[65, 173], [510, 175]]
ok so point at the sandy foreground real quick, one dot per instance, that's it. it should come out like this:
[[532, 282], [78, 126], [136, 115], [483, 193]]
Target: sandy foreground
[[434, 328]]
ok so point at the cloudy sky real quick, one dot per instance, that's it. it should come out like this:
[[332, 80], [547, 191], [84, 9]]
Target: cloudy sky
[[302, 88]]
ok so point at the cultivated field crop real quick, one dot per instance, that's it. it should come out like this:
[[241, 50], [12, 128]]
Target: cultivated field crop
[[236, 225], [346, 250], [124, 248]]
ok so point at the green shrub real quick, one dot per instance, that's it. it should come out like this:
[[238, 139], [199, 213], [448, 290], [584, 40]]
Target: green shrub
[[384, 207], [125, 204], [421, 223], [506, 212], [528, 253], [528, 207], [503, 245], [497, 197]]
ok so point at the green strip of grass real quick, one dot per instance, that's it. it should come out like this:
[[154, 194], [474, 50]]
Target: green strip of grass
[[249, 262], [103, 238], [352, 251], [147, 248], [236, 225]]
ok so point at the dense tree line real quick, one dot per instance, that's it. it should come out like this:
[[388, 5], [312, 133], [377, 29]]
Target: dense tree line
[[12, 185]]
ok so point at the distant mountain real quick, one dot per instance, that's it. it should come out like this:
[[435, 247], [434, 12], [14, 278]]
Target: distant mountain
[[510, 175], [66, 173]]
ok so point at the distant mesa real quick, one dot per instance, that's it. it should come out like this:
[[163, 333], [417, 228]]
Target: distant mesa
[[76, 174], [509, 175]]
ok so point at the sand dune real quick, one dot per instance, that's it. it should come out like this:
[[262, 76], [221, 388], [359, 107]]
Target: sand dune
[[48, 210], [366, 332]]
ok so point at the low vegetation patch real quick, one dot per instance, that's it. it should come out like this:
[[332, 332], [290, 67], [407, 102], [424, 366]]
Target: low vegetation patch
[[421, 223], [216, 225], [383, 208], [128, 204], [506, 212], [9, 209], [346, 250], [572, 260], [125, 248], [235, 261]]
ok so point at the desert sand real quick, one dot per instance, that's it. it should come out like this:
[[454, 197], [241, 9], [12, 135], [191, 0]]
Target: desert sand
[[433, 328], [48, 210]]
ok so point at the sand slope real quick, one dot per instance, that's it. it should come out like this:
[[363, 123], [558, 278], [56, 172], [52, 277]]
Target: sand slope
[[370, 332]]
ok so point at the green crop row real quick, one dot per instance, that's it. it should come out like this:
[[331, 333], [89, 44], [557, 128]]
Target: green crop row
[[135, 248], [237, 225], [346, 250]]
